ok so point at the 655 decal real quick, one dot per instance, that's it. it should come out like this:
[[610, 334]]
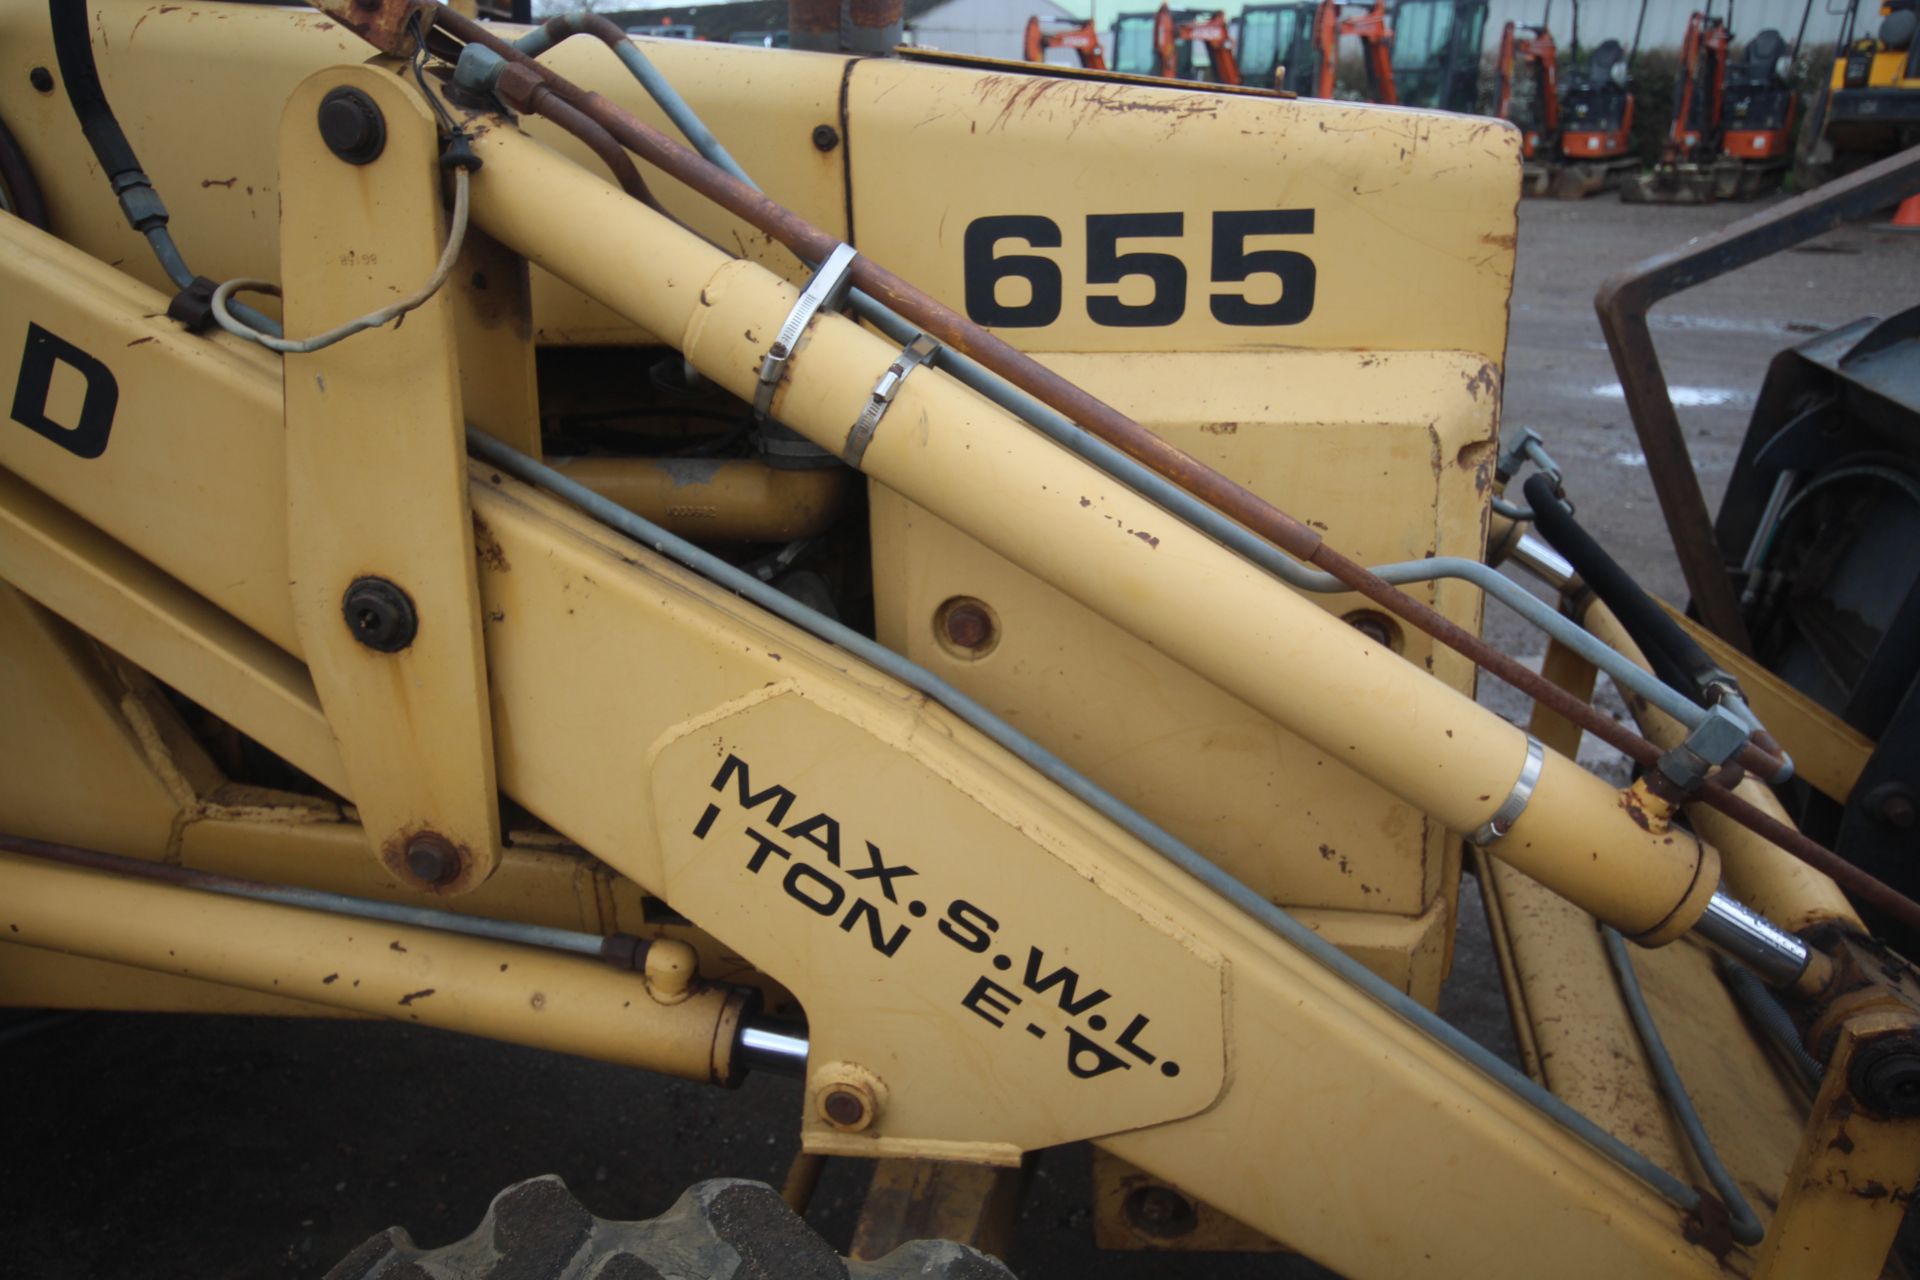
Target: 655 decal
[[1246, 249]]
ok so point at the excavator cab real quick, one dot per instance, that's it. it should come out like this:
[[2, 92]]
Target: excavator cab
[[1436, 53], [1137, 46], [1178, 44], [1276, 46]]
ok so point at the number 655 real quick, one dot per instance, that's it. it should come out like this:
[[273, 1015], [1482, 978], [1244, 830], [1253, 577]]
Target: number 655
[[1232, 263]]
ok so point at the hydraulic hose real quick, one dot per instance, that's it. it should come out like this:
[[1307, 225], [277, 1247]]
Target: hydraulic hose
[[1675, 656], [1774, 1021], [146, 213], [1744, 1226], [144, 210]]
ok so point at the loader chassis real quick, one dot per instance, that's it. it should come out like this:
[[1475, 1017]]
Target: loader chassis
[[987, 963]]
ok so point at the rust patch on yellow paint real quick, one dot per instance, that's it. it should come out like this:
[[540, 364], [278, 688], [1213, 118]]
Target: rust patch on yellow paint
[[488, 547]]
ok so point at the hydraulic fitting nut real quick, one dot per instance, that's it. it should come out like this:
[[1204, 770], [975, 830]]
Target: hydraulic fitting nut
[[847, 1097]]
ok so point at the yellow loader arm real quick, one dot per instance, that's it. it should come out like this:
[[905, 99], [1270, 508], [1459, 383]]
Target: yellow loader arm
[[1017, 908]]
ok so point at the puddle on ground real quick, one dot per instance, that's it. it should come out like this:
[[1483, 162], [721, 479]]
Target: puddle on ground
[[1732, 324], [1684, 397]]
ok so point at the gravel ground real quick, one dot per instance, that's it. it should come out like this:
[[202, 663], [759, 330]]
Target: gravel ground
[[214, 1148]]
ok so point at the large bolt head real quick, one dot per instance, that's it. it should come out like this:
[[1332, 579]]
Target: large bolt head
[[352, 127], [432, 859], [379, 614], [966, 627], [1886, 1076]]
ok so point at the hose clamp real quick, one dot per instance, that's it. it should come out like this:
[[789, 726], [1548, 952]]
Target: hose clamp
[[1516, 802], [920, 351], [828, 289]]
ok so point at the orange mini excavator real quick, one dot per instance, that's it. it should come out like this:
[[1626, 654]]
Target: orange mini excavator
[[1574, 129], [1081, 38], [1371, 28], [1732, 118]]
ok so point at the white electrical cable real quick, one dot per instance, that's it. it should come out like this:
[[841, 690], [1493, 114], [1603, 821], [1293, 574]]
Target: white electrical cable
[[456, 234]]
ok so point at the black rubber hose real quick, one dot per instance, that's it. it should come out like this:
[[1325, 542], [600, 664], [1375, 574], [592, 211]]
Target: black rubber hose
[[73, 46], [1676, 658], [73, 49], [1774, 1021]]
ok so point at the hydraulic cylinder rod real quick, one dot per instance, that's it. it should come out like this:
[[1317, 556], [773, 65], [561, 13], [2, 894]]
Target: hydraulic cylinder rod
[[1791, 893], [976, 466]]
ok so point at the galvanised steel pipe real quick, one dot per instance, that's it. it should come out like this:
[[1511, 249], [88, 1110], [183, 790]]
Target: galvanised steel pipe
[[978, 467]]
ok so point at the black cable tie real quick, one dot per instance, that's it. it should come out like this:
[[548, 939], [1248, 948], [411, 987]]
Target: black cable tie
[[193, 305], [459, 154]]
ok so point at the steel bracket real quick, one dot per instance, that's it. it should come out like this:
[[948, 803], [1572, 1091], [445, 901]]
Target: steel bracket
[[377, 491]]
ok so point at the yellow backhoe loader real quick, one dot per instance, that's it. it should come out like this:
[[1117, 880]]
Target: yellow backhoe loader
[[720, 559]]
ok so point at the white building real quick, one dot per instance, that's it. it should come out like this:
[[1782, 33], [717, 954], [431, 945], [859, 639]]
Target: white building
[[989, 28]]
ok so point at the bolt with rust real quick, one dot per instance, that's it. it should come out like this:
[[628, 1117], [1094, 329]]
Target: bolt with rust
[[825, 137], [844, 1109], [431, 859], [352, 127], [848, 1096], [967, 625]]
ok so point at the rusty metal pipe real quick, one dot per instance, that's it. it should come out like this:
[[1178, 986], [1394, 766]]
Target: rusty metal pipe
[[718, 499], [555, 108]]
